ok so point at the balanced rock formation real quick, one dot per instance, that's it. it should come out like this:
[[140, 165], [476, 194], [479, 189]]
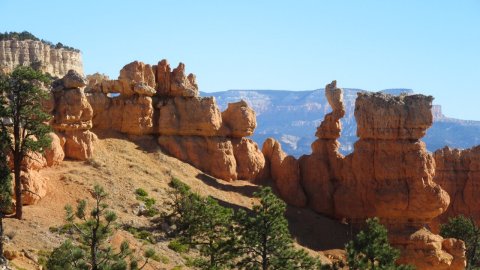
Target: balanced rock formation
[[72, 116], [458, 172], [389, 175], [321, 170], [156, 100], [56, 61]]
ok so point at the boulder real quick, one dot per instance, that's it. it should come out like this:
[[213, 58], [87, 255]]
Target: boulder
[[54, 154], [143, 89], [137, 116], [387, 117], [428, 251], [182, 116], [250, 160], [73, 79], [34, 187], [239, 120], [138, 72], [79, 144], [331, 126], [72, 110], [34, 161], [213, 155], [181, 85], [94, 82]]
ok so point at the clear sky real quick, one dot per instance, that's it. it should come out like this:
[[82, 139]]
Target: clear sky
[[432, 47]]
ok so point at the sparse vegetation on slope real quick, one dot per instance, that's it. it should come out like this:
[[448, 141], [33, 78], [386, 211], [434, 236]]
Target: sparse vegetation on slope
[[121, 166], [92, 251], [257, 239]]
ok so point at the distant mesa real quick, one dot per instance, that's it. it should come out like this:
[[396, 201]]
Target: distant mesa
[[27, 50], [302, 111]]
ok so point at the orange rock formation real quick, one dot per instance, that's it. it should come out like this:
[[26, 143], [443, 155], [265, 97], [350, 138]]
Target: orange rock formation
[[388, 175], [72, 116], [154, 100], [458, 172]]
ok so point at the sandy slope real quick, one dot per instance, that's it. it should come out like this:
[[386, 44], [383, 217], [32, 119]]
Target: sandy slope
[[121, 166]]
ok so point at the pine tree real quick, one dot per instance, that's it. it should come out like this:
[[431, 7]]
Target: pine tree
[[370, 250], [204, 225], [264, 238], [212, 234], [93, 251], [5, 184], [464, 229], [21, 97]]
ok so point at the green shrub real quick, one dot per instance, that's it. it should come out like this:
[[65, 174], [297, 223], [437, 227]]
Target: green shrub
[[466, 230], [371, 250], [141, 192], [178, 246]]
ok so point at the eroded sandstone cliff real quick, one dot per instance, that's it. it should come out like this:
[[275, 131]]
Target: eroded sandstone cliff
[[156, 100], [388, 175], [57, 62], [458, 172]]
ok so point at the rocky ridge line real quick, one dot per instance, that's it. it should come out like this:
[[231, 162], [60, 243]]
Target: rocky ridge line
[[57, 62]]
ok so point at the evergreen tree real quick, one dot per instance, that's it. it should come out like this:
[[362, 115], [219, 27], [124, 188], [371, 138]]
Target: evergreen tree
[[5, 184], [21, 111], [464, 229], [212, 234], [370, 250], [204, 225], [93, 251], [264, 238]]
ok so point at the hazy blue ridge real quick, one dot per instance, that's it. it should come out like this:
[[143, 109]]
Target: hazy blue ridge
[[292, 118]]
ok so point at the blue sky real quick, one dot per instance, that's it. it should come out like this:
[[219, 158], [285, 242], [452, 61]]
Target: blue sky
[[432, 47]]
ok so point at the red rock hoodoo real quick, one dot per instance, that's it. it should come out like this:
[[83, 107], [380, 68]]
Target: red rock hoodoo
[[388, 175], [154, 100], [72, 117]]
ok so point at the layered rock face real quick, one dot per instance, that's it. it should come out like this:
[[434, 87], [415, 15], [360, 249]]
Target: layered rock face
[[156, 100], [57, 62], [388, 175], [72, 117], [458, 172]]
